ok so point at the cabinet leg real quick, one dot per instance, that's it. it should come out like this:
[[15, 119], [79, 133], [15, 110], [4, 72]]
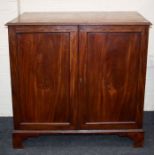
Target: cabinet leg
[[138, 139], [17, 141]]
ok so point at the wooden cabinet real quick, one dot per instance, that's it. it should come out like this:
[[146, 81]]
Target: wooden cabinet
[[78, 73]]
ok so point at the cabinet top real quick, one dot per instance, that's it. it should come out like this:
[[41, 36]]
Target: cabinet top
[[79, 18]]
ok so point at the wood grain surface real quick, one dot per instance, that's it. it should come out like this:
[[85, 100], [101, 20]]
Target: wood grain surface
[[47, 78], [80, 18], [109, 63]]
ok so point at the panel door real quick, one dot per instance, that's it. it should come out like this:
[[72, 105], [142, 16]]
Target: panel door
[[108, 77], [44, 76]]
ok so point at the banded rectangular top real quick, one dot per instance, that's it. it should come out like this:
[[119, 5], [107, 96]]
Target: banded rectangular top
[[79, 18]]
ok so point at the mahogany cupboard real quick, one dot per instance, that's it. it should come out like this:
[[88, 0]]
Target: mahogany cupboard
[[77, 73]]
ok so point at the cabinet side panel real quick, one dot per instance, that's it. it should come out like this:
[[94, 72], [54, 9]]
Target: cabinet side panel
[[14, 76], [142, 76]]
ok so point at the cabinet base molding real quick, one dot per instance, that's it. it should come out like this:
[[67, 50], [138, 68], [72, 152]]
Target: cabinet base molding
[[137, 135]]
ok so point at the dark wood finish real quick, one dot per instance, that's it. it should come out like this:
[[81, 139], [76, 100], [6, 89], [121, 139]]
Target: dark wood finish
[[78, 77], [47, 78], [80, 18], [109, 63]]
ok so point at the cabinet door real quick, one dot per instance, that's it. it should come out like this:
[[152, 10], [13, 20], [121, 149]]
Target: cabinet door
[[44, 76], [109, 60]]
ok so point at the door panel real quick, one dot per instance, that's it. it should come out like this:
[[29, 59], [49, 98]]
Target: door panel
[[47, 79], [108, 68]]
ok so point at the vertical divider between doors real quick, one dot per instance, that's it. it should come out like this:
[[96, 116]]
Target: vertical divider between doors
[[78, 86]]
